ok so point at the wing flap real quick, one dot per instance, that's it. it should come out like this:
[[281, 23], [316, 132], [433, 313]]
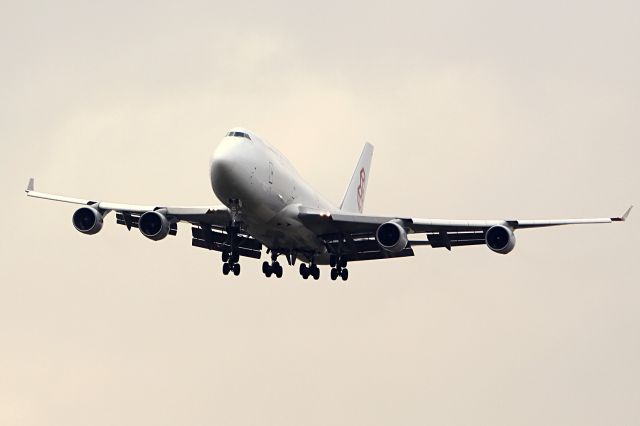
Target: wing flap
[[213, 240], [453, 239]]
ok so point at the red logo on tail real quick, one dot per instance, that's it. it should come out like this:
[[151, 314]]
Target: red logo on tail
[[361, 189]]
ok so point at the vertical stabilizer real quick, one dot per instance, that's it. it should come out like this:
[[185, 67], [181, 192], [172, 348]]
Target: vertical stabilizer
[[353, 201]]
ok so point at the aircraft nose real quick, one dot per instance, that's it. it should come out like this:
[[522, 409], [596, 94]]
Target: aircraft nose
[[226, 179], [222, 171]]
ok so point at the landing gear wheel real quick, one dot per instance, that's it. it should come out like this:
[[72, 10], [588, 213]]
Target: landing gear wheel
[[304, 271], [225, 256], [236, 269], [277, 269], [333, 260], [315, 272], [334, 274], [235, 257], [226, 268], [266, 269], [343, 262], [344, 274]]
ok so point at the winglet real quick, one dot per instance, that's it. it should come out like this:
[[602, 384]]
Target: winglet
[[31, 185], [623, 217]]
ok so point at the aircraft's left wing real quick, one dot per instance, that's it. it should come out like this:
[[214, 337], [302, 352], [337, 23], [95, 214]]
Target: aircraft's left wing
[[351, 232]]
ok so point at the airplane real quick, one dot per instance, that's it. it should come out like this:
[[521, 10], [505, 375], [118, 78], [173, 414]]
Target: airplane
[[267, 203]]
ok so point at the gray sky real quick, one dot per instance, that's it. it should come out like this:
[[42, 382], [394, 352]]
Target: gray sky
[[477, 110]]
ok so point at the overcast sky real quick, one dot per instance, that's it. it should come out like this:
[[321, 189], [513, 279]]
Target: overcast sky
[[488, 109]]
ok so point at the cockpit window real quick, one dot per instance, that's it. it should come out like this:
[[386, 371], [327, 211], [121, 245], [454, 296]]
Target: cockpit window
[[239, 135]]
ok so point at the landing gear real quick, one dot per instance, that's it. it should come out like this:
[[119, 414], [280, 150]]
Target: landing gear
[[272, 269], [309, 271], [266, 269], [232, 257], [230, 263], [334, 274], [338, 268], [344, 274]]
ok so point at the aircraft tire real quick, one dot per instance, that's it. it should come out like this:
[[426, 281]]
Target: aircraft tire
[[344, 274], [334, 274], [314, 271], [236, 269], [277, 269], [304, 271], [226, 268]]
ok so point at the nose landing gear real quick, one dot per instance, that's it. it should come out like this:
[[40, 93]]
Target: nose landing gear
[[231, 257]]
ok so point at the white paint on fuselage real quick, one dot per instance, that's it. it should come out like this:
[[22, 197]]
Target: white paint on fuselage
[[270, 192]]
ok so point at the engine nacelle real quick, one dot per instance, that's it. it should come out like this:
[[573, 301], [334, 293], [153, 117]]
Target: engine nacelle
[[87, 220], [392, 237], [500, 239], [154, 225]]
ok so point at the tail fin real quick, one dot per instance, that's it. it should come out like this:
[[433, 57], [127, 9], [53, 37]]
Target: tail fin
[[353, 201]]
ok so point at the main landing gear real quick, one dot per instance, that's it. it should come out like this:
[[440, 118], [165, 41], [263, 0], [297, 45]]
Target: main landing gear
[[338, 268], [272, 269], [311, 270], [230, 263]]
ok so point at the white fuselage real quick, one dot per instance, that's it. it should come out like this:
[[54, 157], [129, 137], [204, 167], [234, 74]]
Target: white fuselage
[[253, 176]]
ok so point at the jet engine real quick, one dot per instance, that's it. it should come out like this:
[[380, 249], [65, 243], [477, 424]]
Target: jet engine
[[500, 239], [392, 237], [154, 225], [87, 220]]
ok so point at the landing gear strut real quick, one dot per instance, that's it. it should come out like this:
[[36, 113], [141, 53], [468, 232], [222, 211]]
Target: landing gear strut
[[338, 268], [274, 268], [231, 258]]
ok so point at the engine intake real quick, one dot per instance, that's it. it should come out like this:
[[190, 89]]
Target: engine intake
[[500, 239], [154, 225], [87, 220], [392, 237]]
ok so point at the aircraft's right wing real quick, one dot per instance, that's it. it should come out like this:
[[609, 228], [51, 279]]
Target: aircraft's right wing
[[217, 216], [353, 234]]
